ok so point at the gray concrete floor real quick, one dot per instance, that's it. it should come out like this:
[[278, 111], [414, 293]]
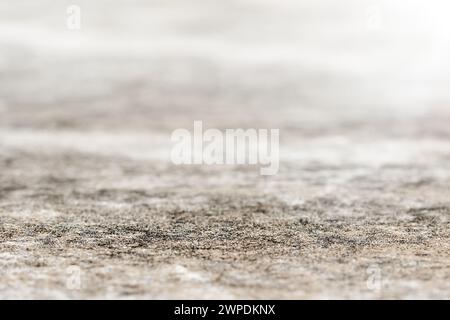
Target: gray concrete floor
[[91, 206]]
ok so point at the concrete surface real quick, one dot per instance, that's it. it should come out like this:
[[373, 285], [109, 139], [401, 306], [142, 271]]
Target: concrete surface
[[91, 207]]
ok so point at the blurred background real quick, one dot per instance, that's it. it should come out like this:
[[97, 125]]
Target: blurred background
[[151, 65]]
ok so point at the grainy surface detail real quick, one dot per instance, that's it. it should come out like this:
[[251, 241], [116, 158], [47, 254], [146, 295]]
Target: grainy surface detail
[[359, 209]]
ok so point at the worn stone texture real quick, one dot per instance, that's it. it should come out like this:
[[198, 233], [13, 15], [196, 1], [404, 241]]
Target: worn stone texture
[[360, 207]]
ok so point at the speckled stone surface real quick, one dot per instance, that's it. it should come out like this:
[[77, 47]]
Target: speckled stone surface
[[91, 206]]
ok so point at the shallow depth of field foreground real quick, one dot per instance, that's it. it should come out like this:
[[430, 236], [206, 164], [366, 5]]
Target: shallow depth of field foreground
[[92, 207]]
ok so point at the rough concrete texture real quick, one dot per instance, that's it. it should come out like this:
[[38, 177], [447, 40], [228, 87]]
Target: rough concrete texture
[[360, 207]]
